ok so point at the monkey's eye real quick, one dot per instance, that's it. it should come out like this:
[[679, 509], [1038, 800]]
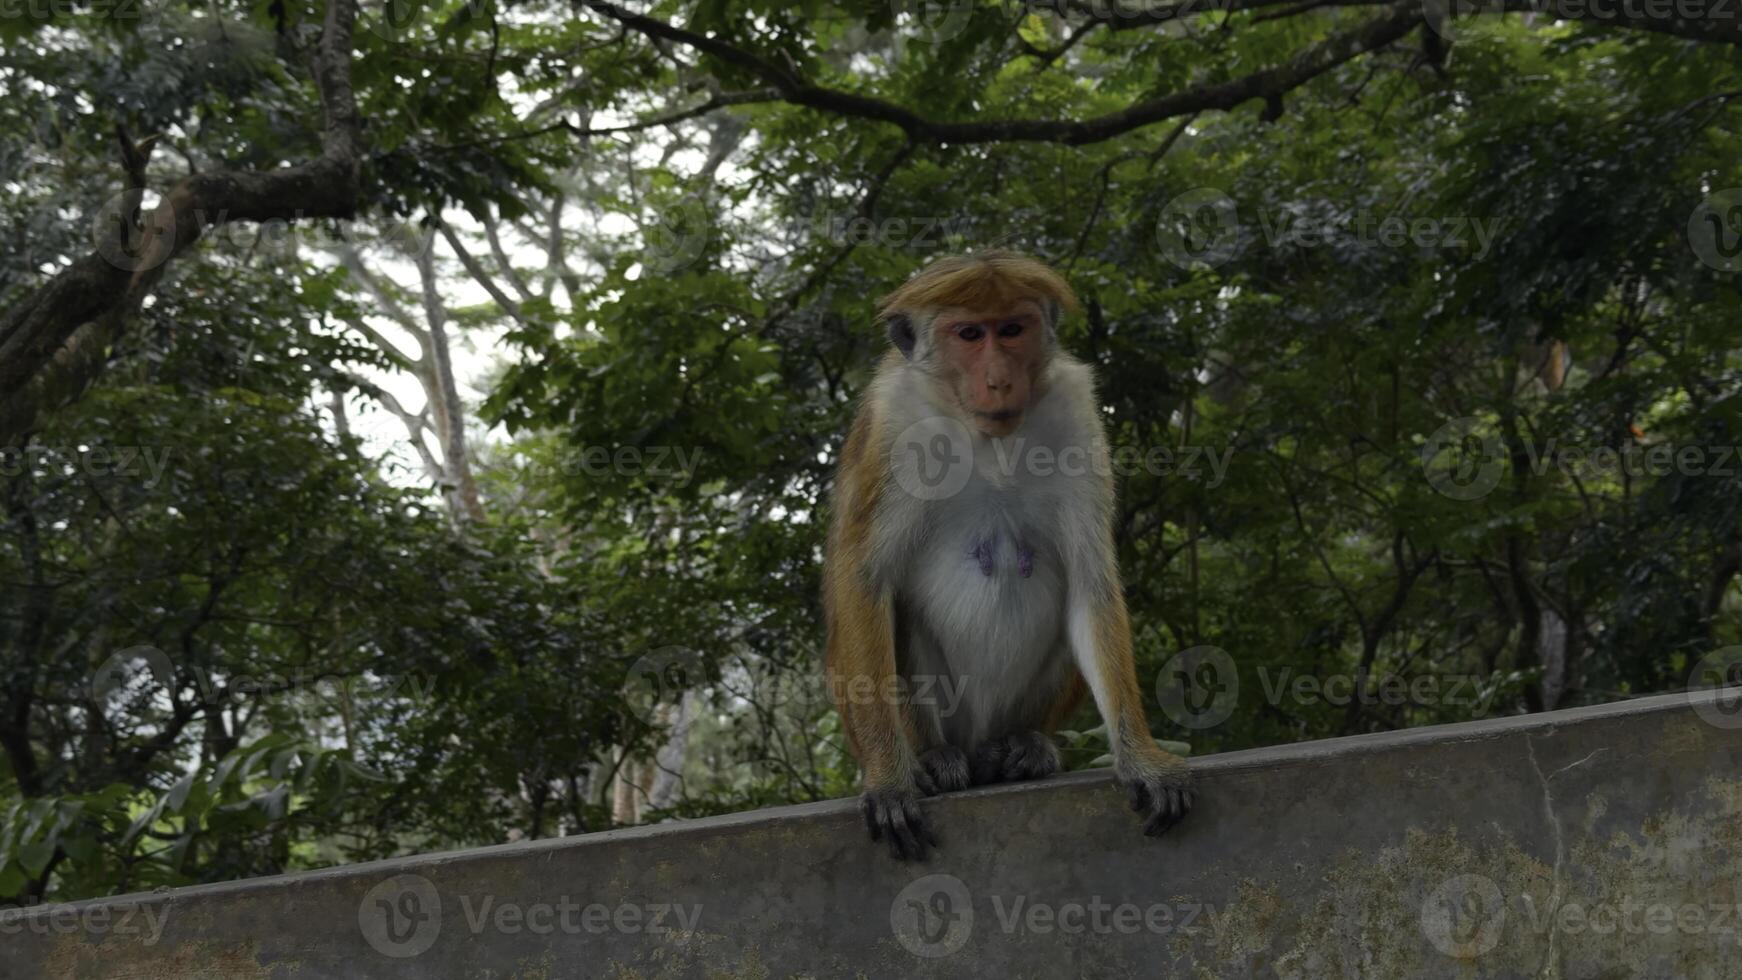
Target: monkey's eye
[[1011, 329], [970, 332]]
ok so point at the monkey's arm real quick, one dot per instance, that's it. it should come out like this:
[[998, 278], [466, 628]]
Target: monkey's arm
[[866, 692], [1158, 781], [1099, 629], [860, 657]]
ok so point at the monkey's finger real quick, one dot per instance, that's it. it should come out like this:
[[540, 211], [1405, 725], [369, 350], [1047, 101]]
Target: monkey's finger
[[1170, 807], [1139, 794], [920, 834], [896, 824], [923, 836], [902, 837], [868, 810], [922, 779], [1182, 800], [1160, 823], [897, 847], [1161, 818]]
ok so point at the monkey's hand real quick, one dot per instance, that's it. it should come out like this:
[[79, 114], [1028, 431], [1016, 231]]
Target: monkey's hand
[[893, 813], [1160, 789]]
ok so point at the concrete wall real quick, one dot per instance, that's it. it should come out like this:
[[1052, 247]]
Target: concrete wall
[[1598, 842]]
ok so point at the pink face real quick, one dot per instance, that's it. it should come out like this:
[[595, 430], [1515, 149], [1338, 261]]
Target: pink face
[[995, 362]]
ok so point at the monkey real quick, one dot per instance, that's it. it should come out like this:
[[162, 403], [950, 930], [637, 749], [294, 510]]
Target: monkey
[[970, 552]]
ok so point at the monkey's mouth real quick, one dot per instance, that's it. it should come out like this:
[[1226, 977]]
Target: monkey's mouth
[[1000, 423]]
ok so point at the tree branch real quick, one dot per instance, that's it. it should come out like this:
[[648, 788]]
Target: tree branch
[[719, 101], [479, 274], [55, 340], [503, 262], [390, 307], [1268, 84]]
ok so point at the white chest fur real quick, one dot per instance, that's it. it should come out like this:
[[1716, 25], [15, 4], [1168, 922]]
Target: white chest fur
[[982, 558]]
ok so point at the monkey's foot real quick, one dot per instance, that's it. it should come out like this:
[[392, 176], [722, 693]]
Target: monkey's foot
[[1023, 755], [1161, 796], [894, 814], [943, 769]]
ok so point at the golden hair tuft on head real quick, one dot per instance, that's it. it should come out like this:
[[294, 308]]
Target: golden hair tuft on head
[[996, 279]]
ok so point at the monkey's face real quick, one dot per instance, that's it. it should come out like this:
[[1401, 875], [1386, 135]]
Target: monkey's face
[[994, 361]]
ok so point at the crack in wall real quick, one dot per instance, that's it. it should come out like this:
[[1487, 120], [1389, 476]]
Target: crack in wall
[[1551, 959]]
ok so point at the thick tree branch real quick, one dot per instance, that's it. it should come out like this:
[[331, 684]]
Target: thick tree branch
[[1269, 84], [54, 341]]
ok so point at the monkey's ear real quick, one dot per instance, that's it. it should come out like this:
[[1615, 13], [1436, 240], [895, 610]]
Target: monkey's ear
[[1054, 311], [901, 332]]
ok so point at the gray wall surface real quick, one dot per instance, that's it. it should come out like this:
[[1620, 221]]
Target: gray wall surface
[[1595, 842]]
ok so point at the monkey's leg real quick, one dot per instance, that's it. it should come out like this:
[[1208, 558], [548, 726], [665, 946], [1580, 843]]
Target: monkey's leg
[[1159, 782], [1033, 754], [1017, 756], [943, 769], [863, 684]]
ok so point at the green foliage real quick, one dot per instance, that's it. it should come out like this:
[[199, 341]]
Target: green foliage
[[282, 623]]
